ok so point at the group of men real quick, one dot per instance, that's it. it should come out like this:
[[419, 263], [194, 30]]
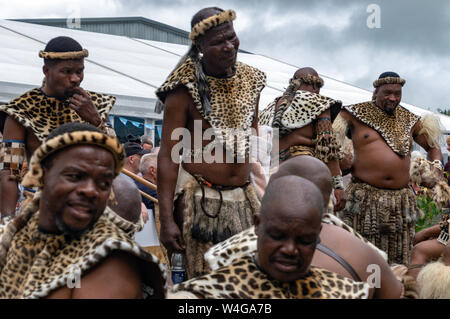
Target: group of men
[[236, 243]]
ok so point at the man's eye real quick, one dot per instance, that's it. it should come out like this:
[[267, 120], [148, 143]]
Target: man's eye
[[276, 236], [105, 185], [73, 176]]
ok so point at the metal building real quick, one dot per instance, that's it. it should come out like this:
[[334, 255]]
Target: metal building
[[133, 27]]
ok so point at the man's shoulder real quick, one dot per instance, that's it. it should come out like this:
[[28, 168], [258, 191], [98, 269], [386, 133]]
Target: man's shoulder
[[249, 70], [26, 99]]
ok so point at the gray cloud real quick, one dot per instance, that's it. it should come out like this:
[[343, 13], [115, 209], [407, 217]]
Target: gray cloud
[[330, 35]]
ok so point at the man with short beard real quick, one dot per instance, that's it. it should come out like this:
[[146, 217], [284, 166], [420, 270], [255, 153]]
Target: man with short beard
[[63, 244], [211, 187], [380, 204], [33, 115]]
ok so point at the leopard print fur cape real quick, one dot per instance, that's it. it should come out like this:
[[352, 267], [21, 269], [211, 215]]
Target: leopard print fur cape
[[233, 100], [244, 279], [303, 110], [42, 113], [38, 263], [395, 129]]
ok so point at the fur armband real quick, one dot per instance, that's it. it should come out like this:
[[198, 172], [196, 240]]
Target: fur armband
[[340, 128], [433, 281], [338, 183], [432, 130], [12, 156], [327, 147]]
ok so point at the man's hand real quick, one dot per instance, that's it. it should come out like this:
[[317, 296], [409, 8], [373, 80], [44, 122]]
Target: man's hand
[[82, 104], [144, 213], [171, 237], [341, 199]]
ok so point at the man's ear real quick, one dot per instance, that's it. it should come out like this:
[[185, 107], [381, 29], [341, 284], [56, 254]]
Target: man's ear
[[199, 45], [45, 70]]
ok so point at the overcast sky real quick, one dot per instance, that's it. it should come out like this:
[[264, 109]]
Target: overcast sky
[[330, 35]]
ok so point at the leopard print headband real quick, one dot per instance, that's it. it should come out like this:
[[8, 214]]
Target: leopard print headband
[[312, 80], [388, 80], [71, 55], [33, 178], [211, 22]]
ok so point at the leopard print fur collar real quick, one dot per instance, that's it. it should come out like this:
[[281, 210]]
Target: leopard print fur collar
[[38, 263], [303, 110], [395, 130], [42, 113], [244, 279], [233, 100]]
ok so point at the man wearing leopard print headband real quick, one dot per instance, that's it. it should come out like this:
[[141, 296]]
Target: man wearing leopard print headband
[[211, 186], [62, 244], [381, 206], [304, 119], [32, 116]]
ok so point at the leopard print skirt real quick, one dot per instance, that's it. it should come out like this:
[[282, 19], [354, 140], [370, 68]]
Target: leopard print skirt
[[211, 216], [384, 217]]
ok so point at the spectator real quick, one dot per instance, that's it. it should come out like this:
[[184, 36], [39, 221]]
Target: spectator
[[147, 168], [147, 143]]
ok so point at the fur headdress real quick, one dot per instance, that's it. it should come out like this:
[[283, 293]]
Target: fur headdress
[[211, 22], [388, 78], [63, 48], [72, 55], [34, 176]]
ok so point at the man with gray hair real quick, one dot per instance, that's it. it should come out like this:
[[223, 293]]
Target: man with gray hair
[[147, 167]]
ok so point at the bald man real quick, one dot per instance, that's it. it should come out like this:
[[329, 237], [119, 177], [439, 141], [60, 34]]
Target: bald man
[[287, 229], [341, 250], [304, 119]]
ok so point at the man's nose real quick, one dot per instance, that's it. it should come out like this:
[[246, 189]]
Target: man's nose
[[228, 46], [88, 189], [74, 78], [289, 248]]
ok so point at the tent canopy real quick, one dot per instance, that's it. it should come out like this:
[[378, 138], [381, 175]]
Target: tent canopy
[[131, 69]]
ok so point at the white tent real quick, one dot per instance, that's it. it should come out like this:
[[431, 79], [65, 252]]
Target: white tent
[[131, 69]]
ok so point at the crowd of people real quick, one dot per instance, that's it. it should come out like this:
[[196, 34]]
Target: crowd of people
[[333, 216]]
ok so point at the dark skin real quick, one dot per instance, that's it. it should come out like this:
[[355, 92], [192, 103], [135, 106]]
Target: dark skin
[[358, 254], [375, 163], [62, 81], [219, 47], [84, 176], [287, 235], [305, 135]]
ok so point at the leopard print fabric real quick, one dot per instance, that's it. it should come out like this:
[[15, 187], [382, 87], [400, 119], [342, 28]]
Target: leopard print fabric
[[38, 263], [303, 110], [233, 101], [395, 129], [244, 244], [244, 279], [42, 113]]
